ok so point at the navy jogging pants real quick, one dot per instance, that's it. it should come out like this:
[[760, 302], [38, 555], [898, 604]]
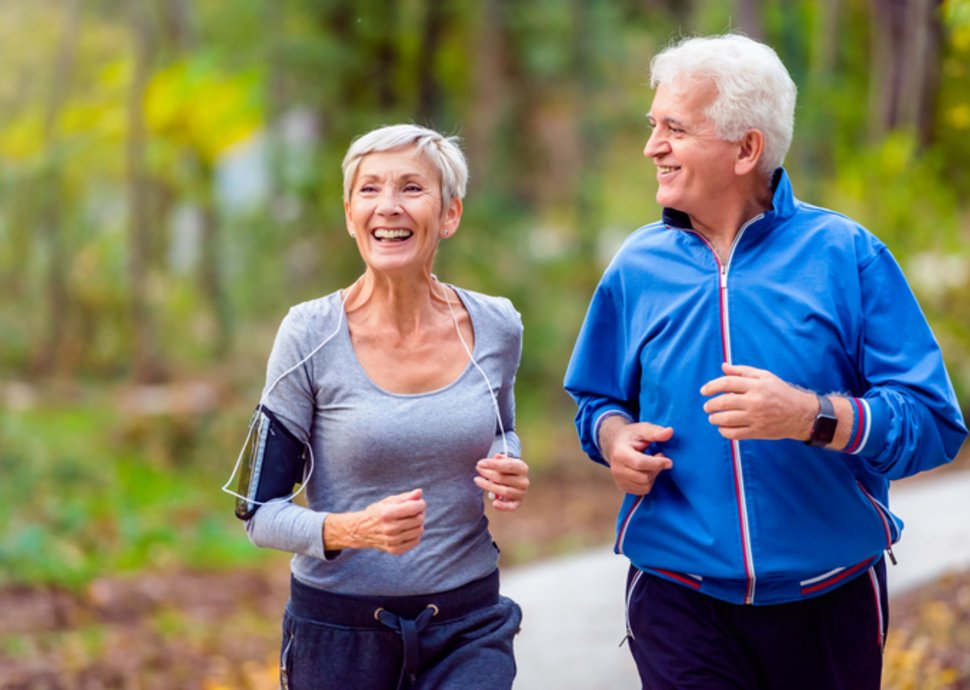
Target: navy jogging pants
[[684, 640]]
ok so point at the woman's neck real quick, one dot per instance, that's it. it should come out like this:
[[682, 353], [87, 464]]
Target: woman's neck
[[404, 305]]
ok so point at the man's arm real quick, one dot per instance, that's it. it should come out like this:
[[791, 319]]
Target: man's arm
[[603, 372], [753, 403], [905, 420]]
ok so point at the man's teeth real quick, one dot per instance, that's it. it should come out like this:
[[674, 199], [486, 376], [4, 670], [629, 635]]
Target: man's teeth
[[392, 234]]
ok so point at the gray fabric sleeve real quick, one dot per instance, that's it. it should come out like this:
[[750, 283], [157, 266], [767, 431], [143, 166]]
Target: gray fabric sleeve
[[289, 527], [284, 525]]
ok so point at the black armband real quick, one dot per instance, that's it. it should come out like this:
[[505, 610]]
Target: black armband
[[273, 463]]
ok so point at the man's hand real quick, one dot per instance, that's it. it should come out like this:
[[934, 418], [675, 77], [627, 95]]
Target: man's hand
[[753, 403], [622, 444]]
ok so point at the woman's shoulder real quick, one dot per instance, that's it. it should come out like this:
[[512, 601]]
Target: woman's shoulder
[[491, 307], [310, 317]]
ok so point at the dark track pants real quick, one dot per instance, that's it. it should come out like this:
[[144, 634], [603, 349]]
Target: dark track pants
[[683, 640], [456, 639]]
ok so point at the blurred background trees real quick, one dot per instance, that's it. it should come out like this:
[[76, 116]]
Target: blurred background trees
[[170, 184]]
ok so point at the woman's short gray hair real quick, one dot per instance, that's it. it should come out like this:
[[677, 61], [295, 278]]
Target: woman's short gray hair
[[754, 90], [441, 151]]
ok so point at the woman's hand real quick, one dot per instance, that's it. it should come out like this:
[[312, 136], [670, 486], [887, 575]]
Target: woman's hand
[[504, 479], [393, 525]]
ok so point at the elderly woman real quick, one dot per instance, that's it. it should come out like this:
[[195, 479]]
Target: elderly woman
[[392, 402]]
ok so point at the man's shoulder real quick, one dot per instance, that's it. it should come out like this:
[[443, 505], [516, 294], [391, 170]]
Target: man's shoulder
[[834, 226], [645, 238]]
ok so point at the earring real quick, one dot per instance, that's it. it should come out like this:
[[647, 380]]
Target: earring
[[444, 233], [353, 234]]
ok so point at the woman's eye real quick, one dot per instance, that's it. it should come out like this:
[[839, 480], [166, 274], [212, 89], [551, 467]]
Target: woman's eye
[[412, 188]]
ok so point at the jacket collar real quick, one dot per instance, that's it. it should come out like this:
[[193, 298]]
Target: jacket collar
[[782, 203]]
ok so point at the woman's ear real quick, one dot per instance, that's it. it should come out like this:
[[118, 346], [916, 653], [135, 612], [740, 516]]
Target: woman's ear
[[349, 223], [750, 149], [451, 218]]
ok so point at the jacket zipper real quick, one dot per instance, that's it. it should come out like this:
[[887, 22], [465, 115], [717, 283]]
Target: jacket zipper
[[740, 493], [621, 535]]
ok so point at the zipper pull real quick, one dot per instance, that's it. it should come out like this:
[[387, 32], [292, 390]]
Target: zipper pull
[[723, 277], [628, 636], [892, 556]]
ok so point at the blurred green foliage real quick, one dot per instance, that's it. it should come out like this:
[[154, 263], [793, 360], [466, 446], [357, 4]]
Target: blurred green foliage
[[170, 184], [89, 489]]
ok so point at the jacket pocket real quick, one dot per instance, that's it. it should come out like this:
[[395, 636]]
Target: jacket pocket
[[890, 525]]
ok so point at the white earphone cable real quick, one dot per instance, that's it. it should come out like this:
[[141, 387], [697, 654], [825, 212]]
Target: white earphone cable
[[309, 472], [255, 419], [491, 390]]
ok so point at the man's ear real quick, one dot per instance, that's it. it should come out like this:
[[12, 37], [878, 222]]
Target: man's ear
[[750, 149]]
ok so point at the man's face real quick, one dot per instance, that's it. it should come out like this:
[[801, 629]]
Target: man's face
[[695, 168]]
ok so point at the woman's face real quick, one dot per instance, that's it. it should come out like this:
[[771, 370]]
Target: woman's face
[[395, 211]]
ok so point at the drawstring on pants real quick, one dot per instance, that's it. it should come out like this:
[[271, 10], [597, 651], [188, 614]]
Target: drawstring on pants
[[409, 630]]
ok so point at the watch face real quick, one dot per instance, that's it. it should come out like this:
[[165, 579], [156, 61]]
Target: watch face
[[824, 430]]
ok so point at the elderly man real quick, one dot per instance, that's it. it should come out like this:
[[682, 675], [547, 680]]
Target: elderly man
[[754, 371]]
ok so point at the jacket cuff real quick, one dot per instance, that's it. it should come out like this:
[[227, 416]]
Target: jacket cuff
[[870, 427], [605, 414]]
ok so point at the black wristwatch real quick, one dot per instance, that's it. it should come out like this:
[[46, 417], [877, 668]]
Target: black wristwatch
[[823, 431]]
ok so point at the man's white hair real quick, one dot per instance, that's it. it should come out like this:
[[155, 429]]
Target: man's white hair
[[754, 90]]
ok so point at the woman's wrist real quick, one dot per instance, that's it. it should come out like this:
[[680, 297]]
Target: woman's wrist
[[339, 530]]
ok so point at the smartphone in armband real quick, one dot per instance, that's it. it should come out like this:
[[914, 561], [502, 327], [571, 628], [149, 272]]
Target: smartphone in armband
[[273, 462]]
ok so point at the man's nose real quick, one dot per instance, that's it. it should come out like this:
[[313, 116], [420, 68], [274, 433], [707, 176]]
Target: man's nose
[[654, 145]]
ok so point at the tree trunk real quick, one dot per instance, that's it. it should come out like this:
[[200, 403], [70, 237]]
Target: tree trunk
[[489, 75], [825, 42], [905, 65], [749, 18], [211, 269], [429, 91], [146, 367], [51, 352]]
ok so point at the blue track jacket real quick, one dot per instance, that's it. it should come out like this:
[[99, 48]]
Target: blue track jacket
[[817, 300]]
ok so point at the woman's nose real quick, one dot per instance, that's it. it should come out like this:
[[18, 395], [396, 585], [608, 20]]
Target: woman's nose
[[388, 202]]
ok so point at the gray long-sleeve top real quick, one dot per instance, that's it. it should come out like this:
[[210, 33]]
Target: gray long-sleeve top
[[369, 443]]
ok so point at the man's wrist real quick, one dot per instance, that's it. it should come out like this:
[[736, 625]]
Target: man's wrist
[[824, 425], [609, 425]]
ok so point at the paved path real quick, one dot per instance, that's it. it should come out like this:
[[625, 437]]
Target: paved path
[[573, 606]]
